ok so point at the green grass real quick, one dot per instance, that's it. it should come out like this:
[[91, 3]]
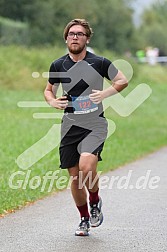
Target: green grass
[[142, 132], [18, 63]]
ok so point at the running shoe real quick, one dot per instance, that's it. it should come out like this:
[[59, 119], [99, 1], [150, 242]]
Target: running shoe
[[83, 228], [96, 216]]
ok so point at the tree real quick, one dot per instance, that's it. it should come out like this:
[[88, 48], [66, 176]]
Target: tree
[[111, 20], [112, 30], [154, 25], [14, 9]]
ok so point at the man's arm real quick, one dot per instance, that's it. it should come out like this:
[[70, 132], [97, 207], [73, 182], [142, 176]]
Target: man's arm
[[50, 96], [118, 84]]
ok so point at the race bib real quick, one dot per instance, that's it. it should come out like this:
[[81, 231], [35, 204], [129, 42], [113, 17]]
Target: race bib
[[83, 105]]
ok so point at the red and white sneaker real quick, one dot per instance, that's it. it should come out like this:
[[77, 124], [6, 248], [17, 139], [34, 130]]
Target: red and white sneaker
[[83, 228], [96, 216]]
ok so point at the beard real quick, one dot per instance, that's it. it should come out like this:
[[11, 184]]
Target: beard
[[76, 49]]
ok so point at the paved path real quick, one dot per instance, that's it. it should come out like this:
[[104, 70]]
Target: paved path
[[135, 219]]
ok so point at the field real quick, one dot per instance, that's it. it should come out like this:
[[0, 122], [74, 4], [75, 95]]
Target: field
[[142, 132]]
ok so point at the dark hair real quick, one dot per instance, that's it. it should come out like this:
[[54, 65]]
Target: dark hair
[[81, 22]]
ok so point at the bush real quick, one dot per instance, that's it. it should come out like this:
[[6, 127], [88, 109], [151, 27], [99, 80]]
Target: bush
[[13, 32]]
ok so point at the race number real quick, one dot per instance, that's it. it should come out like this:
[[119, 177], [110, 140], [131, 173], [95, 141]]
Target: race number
[[83, 105]]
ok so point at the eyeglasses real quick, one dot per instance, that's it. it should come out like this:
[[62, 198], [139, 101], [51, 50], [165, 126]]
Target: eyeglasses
[[77, 34]]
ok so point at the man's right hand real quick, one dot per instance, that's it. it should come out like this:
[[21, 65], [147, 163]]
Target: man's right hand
[[59, 103]]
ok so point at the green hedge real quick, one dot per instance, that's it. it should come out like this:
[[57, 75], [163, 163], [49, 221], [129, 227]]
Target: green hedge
[[13, 32]]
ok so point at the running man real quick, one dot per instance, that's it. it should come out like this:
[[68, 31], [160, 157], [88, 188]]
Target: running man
[[84, 127]]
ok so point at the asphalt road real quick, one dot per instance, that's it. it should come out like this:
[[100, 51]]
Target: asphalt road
[[134, 207]]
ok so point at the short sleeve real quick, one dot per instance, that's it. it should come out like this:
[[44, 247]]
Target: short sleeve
[[109, 70], [52, 78]]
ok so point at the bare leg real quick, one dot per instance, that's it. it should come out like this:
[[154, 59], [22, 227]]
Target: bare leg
[[79, 194], [88, 165], [86, 174]]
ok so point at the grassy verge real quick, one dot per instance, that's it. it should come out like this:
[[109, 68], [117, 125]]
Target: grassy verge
[[136, 135]]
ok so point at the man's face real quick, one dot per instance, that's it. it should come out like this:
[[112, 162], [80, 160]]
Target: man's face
[[76, 39]]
